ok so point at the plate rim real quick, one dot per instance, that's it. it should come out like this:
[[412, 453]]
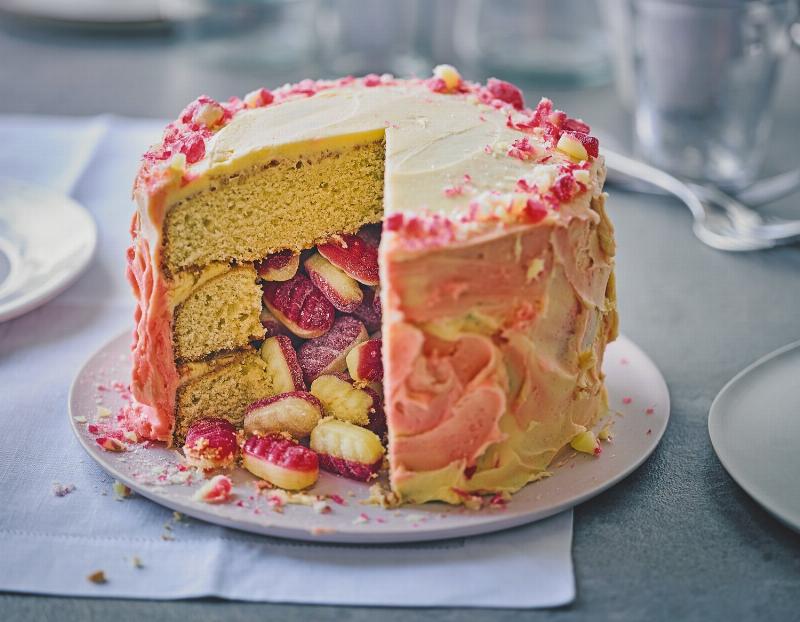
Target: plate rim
[[715, 421], [16, 307], [386, 536]]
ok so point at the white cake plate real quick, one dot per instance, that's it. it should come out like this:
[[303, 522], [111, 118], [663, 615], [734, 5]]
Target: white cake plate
[[639, 403], [754, 424], [46, 242]]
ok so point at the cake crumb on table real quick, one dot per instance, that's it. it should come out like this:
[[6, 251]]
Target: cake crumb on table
[[98, 577], [62, 490], [121, 491]]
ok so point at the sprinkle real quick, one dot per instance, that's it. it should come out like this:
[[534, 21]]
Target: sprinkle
[[649, 431], [80, 419], [103, 412], [361, 519], [627, 400], [649, 411], [521, 149]]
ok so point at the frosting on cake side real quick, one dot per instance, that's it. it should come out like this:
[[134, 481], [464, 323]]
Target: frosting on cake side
[[496, 261]]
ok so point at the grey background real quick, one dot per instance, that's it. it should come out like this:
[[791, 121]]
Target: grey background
[[677, 540]]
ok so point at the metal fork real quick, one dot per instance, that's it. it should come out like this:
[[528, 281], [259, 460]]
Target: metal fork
[[720, 221]]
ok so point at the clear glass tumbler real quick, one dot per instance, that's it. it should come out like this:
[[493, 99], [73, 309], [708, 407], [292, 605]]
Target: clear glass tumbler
[[705, 73], [553, 42]]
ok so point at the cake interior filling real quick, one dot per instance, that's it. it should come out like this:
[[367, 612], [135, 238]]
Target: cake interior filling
[[277, 315]]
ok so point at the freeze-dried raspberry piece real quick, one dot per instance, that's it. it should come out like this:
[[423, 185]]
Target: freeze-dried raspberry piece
[[507, 92], [299, 306]]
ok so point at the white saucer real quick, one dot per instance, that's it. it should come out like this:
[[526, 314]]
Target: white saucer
[[46, 241], [754, 424], [85, 11], [637, 392]]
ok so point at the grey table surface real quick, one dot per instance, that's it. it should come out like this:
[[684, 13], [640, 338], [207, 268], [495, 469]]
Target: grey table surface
[[677, 540]]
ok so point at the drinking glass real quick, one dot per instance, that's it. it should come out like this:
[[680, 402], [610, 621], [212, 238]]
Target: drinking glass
[[554, 42], [704, 74], [374, 36]]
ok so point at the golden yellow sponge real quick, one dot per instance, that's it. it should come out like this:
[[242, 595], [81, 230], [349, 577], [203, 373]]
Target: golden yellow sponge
[[222, 387], [283, 203], [221, 315]]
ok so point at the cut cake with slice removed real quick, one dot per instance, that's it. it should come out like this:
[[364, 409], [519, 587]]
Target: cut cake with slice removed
[[494, 269]]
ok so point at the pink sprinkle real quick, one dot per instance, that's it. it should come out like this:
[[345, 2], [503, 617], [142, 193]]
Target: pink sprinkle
[[337, 500], [488, 149], [649, 411], [521, 149], [623, 361], [393, 222], [626, 400], [372, 79]]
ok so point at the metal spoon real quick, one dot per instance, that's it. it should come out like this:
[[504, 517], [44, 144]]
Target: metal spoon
[[719, 220]]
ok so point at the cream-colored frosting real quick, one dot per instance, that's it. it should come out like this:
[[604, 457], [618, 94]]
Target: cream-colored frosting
[[432, 141], [491, 366]]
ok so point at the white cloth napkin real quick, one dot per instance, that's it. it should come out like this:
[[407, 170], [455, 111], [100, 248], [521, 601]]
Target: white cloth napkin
[[50, 543]]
